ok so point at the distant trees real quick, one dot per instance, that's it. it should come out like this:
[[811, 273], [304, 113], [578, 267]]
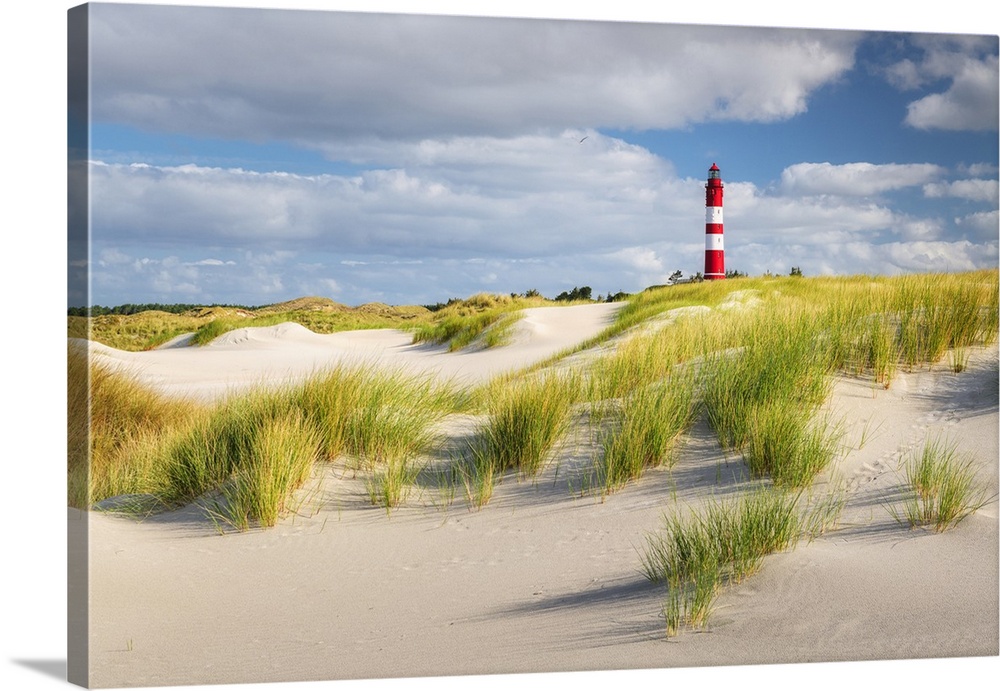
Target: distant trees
[[734, 273], [437, 306], [581, 293], [796, 271], [129, 308]]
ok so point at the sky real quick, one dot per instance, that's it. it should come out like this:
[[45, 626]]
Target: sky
[[251, 156]]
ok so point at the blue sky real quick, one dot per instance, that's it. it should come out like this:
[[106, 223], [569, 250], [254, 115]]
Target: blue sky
[[253, 156]]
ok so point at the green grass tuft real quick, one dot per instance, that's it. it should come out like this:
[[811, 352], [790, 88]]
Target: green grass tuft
[[280, 459], [696, 555], [944, 488], [646, 428]]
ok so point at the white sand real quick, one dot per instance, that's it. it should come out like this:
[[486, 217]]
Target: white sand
[[289, 352], [541, 579]]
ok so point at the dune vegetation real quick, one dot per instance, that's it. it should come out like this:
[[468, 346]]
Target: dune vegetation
[[754, 357], [695, 555], [942, 485], [255, 448], [149, 329], [485, 319], [483, 316]]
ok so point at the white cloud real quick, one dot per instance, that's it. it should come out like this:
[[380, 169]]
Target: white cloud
[[212, 262], [904, 75], [856, 179], [969, 65], [168, 277], [112, 257], [522, 196], [970, 103], [960, 255], [981, 226], [919, 229], [642, 259], [973, 190], [977, 170], [320, 77]]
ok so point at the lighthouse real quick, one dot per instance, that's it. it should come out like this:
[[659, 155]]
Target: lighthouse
[[715, 264]]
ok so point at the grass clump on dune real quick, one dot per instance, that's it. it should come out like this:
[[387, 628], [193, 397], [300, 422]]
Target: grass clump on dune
[[762, 398], [219, 444], [696, 555], [255, 448], [486, 318], [280, 460], [458, 331], [112, 419], [646, 427], [942, 312], [647, 358], [524, 420], [876, 324], [943, 488], [502, 330], [381, 419], [787, 443]]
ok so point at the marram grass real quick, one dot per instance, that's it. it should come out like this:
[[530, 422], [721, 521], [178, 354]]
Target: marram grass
[[788, 443], [256, 447], [697, 554], [646, 427], [482, 317], [524, 421], [280, 460], [943, 488], [113, 419]]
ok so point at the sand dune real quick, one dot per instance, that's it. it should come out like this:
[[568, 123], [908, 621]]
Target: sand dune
[[545, 578], [289, 352]]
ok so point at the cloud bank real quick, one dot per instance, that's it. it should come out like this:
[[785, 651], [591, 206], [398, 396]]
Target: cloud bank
[[358, 76]]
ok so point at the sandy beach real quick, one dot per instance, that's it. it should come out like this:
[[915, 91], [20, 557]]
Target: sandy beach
[[546, 577]]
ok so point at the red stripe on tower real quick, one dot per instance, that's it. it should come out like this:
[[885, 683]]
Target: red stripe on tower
[[715, 263]]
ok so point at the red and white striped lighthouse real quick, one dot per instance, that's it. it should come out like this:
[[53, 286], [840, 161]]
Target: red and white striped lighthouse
[[715, 264]]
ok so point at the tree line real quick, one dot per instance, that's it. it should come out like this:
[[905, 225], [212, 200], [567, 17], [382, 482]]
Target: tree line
[[130, 308]]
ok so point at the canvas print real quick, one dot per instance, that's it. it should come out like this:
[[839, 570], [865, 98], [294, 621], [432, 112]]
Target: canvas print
[[411, 345]]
